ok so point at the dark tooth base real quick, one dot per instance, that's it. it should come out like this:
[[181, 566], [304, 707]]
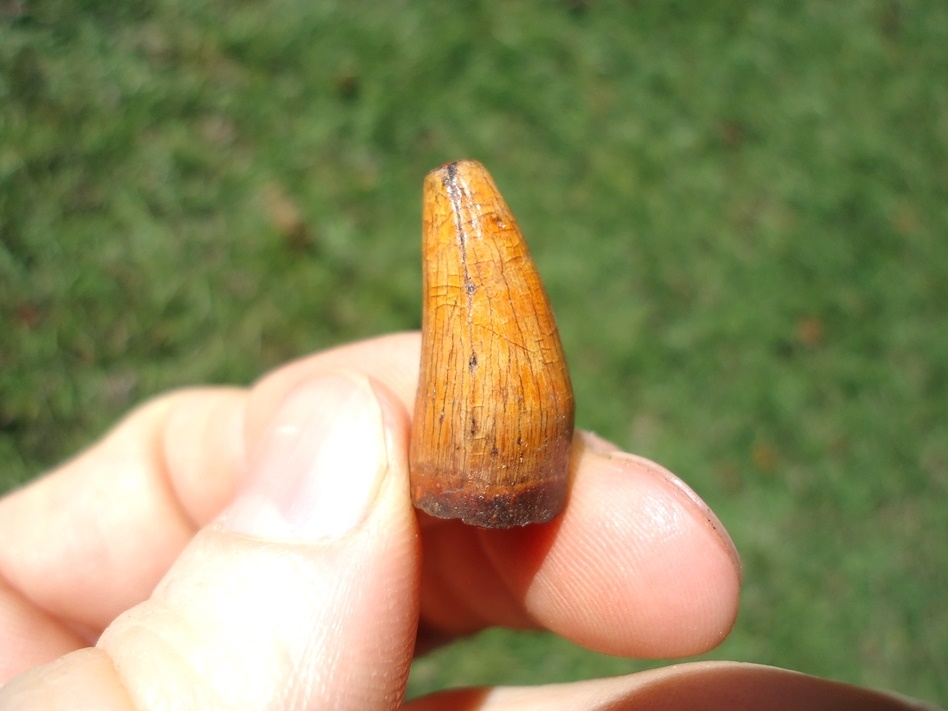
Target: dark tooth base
[[538, 504]]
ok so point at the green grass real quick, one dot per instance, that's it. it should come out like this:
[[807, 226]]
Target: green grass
[[740, 211]]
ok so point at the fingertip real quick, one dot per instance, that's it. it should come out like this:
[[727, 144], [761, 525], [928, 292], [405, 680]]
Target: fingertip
[[313, 573], [319, 465], [700, 510], [84, 679], [729, 686], [204, 449], [586, 439], [631, 568], [391, 359], [590, 442]]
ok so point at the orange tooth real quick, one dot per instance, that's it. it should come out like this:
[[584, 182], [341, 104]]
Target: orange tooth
[[494, 412]]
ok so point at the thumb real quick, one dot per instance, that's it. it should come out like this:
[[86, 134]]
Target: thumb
[[302, 595]]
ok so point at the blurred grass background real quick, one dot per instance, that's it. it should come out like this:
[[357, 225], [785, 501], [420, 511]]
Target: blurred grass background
[[740, 211]]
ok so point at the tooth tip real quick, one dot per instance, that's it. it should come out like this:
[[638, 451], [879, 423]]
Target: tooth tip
[[465, 165]]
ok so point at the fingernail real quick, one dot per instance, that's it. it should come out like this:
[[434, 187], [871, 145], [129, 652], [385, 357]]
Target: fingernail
[[688, 495], [319, 465], [598, 444]]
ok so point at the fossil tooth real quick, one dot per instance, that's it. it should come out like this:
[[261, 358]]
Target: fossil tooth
[[493, 416]]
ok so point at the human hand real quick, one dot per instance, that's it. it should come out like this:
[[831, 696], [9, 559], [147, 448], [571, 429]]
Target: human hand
[[245, 549]]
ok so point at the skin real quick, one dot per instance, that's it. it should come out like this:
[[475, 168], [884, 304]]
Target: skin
[[189, 559]]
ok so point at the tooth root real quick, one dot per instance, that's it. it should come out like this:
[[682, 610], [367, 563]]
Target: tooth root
[[493, 417]]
